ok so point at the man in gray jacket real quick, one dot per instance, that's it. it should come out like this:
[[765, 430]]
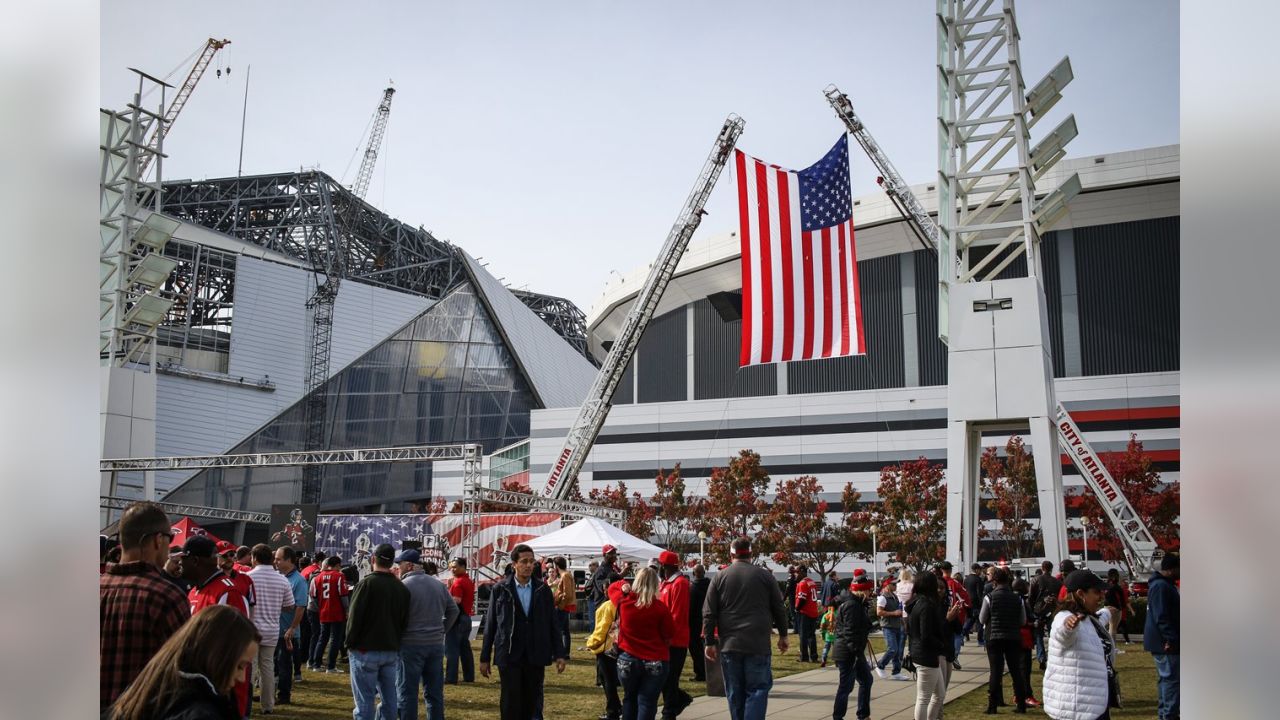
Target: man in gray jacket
[[743, 602], [432, 613]]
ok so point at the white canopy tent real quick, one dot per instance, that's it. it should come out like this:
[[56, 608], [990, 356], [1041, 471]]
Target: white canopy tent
[[588, 536]]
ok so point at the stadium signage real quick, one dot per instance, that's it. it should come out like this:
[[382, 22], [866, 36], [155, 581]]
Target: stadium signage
[[1087, 461]]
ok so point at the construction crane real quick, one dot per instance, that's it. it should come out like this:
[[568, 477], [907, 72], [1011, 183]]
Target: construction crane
[[379, 128], [582, 434], [206, 53], [1139, 544], [320, 306]]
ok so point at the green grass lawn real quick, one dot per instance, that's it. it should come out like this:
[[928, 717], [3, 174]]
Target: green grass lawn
[[570, 696], [1137, 687], [573, 695]]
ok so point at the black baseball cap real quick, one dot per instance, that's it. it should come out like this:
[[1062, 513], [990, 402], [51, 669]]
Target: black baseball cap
[[385, 552], [199, 546], [1084, 580]]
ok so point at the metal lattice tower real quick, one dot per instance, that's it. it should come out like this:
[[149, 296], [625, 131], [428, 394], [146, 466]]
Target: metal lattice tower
[[132, 269], [999, 370]]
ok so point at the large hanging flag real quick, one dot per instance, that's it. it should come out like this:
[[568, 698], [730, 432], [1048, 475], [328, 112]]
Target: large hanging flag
[[800, 297]]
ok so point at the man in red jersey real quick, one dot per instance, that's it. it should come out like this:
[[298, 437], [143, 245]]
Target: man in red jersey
[[807, 609], [674, 592], [332, 595], [211, 586], [457, 646], [227, 562]]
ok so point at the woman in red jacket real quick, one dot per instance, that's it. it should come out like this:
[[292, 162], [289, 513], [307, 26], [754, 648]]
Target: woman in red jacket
[[645, 630]]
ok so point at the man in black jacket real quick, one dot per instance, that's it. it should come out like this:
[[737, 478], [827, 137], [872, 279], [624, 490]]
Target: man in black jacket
[[973, 584], [697, 598], [522, 637], [1044, 586], [853, 625], [1003, 615]]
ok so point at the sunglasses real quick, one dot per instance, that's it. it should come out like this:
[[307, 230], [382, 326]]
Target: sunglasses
[[167, 535]]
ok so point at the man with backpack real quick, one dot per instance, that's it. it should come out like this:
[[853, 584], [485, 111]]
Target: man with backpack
[[1044, 601]]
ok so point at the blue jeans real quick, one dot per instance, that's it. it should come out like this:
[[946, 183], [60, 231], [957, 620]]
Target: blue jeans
[[959, 642], [423, 663], [893, 638], [457, 647], [747, 679], [855, 668], [332, 635], [1168, 705], [372, 672], [641, 682]]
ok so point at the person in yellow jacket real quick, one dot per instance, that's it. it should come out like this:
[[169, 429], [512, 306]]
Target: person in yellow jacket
[[604, 643]]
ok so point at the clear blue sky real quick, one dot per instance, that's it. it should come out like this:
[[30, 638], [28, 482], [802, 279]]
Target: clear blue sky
[[559, 140]]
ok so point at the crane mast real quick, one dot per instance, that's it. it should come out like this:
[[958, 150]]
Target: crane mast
[[211, 48], [1139, 545], [380, 117], [582, 434]]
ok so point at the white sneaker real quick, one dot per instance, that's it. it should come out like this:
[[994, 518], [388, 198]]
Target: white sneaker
[[880, 673], [900, 676]]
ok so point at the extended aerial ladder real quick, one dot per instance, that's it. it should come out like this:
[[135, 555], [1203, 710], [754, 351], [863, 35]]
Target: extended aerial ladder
[[206, 53], [582, 434], [1139, 544]]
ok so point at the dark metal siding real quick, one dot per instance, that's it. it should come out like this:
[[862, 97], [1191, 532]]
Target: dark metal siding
[[882, 366], [716, 346], [929, 348], [1052, 281], [1129, 312], [663, 358], [624, 395]]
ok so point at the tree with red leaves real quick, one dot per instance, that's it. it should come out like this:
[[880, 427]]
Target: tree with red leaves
[[796, 528], [734, 503], [1158, 504], [1011, 483], [911, 520], [438, 505], [672, 509], [639, 513]]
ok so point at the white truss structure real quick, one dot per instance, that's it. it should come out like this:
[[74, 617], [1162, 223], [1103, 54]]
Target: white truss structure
[[296, 459], [1000, 373], [118, 503]]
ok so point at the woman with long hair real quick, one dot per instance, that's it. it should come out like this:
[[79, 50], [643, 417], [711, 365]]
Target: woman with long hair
[[645, 630], [930, 644], [1076, 676], [192, 675]]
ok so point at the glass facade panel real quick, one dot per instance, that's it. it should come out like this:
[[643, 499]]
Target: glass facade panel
[[444, 378]]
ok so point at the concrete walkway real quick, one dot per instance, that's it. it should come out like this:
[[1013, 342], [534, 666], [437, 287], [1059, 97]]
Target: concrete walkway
[[809, 695]]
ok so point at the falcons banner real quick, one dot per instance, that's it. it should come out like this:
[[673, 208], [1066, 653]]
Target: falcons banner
[[295, 526], [353, 537]]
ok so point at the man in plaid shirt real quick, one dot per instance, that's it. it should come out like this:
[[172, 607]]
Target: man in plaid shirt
[[139, 609]]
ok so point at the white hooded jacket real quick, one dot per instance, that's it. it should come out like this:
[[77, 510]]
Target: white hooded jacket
[[1075, 678]]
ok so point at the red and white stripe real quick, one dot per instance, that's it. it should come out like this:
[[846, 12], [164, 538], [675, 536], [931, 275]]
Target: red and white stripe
[[800, 293]]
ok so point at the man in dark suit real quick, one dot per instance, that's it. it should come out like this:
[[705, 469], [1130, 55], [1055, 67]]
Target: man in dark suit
[[697, 598], [522, 636]]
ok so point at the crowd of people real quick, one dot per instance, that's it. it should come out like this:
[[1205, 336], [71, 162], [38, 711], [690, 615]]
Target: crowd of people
[[190, 634]]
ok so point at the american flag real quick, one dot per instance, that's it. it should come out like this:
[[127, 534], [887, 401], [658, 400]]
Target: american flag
[[800, 296], [354, 537]]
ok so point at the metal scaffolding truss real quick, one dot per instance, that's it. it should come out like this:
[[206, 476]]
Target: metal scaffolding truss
[[295, 459], [119, 503], [561, 315]]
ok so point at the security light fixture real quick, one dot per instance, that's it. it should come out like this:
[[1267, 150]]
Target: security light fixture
[[155, 232], [152, 271], [1054, 205], [148, 311], [1050, 149], [1048, 91]]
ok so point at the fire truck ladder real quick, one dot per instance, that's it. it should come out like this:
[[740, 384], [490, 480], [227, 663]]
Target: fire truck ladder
[[1139, 545], [582, 434]]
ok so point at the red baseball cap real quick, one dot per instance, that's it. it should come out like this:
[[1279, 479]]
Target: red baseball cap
[[225, 547], [859, 572], [668, 558], [608, 549]]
